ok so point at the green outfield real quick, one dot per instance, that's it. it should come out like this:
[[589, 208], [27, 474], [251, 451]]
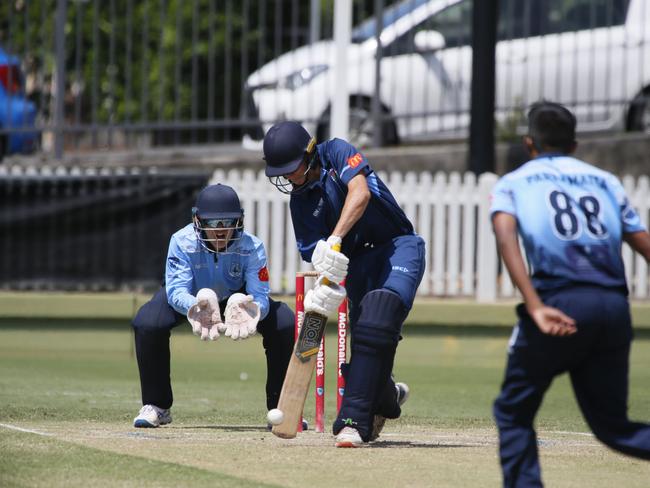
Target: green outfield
[[69, 390]]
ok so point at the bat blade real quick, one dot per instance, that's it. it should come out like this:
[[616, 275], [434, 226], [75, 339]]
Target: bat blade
[[299, 373]]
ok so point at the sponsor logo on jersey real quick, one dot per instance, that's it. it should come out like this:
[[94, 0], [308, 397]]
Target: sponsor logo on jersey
[[235, 270], [263, 274], [403, 269], [355, 160], [319, 208]]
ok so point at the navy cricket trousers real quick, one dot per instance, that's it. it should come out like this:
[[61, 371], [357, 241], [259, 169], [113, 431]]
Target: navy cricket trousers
[[596, 358], [152, 327], [381, 285]]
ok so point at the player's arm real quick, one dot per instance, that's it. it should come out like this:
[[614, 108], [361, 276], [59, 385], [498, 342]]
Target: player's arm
[[179, 279], [327, 257], [257, 279], [640, 242], [355, 205], [549, 320]]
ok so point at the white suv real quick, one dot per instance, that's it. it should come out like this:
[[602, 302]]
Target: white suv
[[592, 55]]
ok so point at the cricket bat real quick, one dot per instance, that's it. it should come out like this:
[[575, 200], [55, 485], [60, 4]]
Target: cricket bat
[[299, 372]]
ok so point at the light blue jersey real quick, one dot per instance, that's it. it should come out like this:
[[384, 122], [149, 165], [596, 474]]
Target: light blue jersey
[[191, 267], [571, 217]]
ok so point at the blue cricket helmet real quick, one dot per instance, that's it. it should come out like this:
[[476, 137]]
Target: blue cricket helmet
[[217, 209], [286, 146]]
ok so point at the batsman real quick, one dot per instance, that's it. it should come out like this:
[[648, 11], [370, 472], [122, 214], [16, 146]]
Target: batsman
[[338, 200]]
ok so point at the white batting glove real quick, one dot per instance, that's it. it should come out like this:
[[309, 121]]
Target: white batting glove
[[328, 262], [242, 315], [204, 316], [324, 299]]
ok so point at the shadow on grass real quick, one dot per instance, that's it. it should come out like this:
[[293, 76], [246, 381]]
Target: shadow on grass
[[419, 445], [227, 428]]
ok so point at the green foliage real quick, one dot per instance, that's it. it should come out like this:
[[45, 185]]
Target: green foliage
[[160, 60]]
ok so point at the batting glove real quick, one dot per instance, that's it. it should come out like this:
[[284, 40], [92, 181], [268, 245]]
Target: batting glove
[[324, 299], [328, 262]]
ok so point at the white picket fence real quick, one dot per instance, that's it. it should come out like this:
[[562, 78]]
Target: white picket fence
[[450, 211]]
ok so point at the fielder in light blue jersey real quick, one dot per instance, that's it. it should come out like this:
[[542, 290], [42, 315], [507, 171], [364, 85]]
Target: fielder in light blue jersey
[[572, 219], [190, 268], [216, 278]]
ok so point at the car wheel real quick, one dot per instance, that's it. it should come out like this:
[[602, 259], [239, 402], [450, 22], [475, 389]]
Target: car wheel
[[639, 115], [362, 125]]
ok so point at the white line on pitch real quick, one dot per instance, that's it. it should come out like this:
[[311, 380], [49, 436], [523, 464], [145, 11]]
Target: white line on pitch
[[29, 431]]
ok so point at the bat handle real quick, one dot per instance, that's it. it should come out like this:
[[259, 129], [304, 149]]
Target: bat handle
[[336, 247]]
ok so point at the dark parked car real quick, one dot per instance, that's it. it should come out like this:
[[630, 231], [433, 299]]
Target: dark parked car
[[18, 132]]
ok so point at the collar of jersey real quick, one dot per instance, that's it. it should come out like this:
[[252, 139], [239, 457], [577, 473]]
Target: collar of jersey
[[550, 155]]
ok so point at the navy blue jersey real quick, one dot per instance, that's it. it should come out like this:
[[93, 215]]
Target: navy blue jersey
[[316, 211], [571, 217]]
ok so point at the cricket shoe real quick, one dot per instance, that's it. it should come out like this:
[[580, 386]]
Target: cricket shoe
[[402, 392], [348, 437], [152, 416]]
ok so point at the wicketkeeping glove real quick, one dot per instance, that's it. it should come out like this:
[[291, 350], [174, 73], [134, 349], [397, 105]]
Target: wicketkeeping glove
[[328, 262], [204, 316], [324, 299], [242, 315]]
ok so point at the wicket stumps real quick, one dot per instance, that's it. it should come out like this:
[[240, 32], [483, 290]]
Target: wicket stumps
[[342, 321]]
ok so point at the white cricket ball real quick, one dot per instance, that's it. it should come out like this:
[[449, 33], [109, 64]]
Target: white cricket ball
[[275, 416]]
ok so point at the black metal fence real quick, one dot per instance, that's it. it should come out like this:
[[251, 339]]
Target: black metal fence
[[138, 73], [88, 230]]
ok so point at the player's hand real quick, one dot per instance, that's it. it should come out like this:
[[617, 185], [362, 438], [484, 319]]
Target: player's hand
[[324, 299], [242, 315], [204, 316], [328, 262], [554, 322]]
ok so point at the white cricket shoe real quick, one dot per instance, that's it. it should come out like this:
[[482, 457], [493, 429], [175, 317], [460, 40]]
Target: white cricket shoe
[[348, 437], [402, 391], [152, 416]]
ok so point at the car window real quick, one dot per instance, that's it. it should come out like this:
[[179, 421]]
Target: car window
[[527, 18], [517, 19], [454, 23], [366, 29], [575, 15]]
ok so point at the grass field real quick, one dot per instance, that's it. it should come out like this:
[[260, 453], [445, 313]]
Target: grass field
[[69, 391]]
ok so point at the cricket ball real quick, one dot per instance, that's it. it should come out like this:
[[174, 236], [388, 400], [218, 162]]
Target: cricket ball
[[275, 416]]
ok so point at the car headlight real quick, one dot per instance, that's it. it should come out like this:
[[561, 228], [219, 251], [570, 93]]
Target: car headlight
[[301, 77]]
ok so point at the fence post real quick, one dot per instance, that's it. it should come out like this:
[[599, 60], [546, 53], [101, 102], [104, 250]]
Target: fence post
[[339, 121], [61, 12], [487, 252]]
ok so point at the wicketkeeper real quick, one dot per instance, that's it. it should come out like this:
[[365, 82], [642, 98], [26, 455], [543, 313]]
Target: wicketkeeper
[[337, 199], [217, 279]]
